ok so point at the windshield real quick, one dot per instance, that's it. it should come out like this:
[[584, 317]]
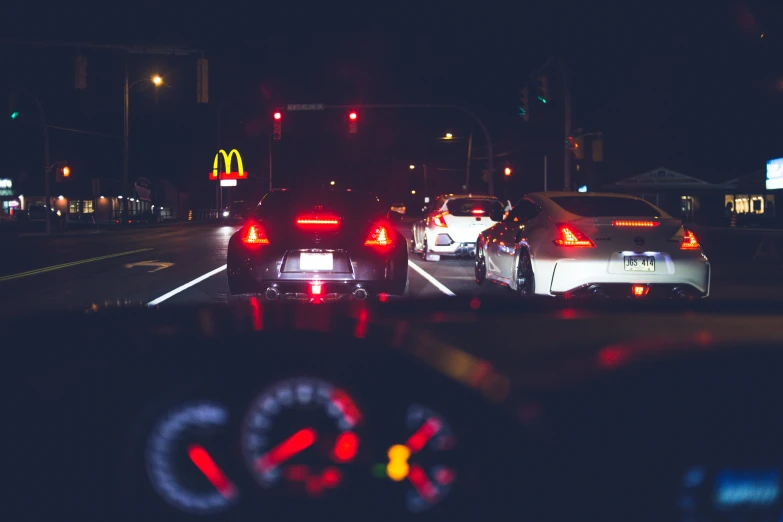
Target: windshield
[[601, 206], [462, 207], [349, 204]]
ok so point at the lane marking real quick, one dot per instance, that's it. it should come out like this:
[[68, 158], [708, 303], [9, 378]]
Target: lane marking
[[66, 265], [179, 289], [160, 264], [437, 284]]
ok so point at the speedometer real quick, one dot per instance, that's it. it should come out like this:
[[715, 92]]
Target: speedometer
[[184, 459], [299, 435]]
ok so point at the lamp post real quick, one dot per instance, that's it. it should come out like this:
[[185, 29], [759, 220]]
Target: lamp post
[[157, 81]]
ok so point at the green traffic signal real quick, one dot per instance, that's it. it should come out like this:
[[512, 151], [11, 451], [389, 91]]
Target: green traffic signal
[[542, 99], [14, 115]]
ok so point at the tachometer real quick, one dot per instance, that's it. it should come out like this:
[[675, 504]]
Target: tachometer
[[299, 435], [183, 459], [424, 460]]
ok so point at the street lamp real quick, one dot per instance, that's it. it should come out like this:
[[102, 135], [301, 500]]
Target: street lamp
[[449, 135], [413, 192], [331, 183], [412, 167], [157, 80]]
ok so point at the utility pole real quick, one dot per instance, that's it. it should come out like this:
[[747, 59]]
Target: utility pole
[[270, 163], [545, 172], [567, 125], [467, 170], [424, 168], [125, 156]]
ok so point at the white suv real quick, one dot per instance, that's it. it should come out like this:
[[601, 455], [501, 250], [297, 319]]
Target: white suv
[[452, 224]]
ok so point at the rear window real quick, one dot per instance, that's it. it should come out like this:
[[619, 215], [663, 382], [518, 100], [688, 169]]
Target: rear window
[[288, 203], [606, 206], [473, 207]]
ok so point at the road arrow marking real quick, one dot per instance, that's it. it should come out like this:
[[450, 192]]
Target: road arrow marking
[[160, 264]]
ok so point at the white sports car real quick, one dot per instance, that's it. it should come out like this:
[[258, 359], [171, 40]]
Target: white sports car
[[592, 244], [452, 223]]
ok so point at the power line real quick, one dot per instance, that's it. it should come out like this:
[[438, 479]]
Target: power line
[[79, 131]]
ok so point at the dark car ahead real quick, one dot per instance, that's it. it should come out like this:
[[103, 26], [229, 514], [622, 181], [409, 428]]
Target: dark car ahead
[[318, 244], [238, 212]]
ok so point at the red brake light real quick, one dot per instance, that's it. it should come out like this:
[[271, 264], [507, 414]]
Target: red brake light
[[316, 288], [477, 211], [688, 241], [438, 219], [317, 221], [254, 235], [379, 236], [640, 224], [571, 237]]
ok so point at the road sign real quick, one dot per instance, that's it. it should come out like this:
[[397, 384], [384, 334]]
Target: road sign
[[305, 107]]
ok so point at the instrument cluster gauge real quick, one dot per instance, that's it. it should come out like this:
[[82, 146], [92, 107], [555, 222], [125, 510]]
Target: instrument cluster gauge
[[423, 461], [300, 435], [185, 458]]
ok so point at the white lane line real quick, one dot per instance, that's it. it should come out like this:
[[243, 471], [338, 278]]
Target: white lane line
[[179, 289], [437, 284]]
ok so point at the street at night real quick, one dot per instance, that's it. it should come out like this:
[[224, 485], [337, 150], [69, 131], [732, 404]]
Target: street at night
[[170, 265]]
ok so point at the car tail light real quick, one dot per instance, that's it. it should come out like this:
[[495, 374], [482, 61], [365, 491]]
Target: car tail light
[[380, 236], [438, 219], [315, 221], [316, 288], [255, 235], [640, 290], [635, 224], [688, 241], [571, 237], [476, 211]]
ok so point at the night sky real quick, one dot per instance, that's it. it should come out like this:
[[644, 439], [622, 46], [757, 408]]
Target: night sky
[[699, 91]]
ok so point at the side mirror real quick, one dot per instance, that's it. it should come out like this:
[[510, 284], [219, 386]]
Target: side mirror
[[394, 216], [496, 215]]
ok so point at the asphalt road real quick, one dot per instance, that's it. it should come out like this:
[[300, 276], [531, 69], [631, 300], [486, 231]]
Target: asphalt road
[[185, 264]]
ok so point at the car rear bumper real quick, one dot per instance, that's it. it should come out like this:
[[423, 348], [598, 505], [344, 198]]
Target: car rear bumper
[[256, 272], [690, 271]]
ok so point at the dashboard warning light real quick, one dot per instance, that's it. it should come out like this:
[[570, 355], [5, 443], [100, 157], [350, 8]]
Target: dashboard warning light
[[398, 468]]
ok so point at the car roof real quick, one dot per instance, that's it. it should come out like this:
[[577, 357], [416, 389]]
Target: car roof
[[583, 195], [545, 200]]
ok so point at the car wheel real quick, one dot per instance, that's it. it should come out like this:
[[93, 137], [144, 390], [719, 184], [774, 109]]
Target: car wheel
[[480, 265], [526, 283]]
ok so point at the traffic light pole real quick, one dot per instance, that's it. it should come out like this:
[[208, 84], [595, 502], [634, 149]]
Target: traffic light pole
[[125, 156], [567, 118], [480, 123]]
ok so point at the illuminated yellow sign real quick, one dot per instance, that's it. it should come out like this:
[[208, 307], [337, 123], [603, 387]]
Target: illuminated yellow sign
[[227, 174]]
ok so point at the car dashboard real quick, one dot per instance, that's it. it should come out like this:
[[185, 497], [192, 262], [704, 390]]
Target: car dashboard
[[377, 413]]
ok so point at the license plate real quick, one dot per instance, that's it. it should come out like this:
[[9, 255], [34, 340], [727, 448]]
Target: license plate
[[640, 263], [311, 261]]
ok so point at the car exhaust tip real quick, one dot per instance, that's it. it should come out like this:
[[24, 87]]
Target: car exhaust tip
[[680, 292], [360, 294], [272, 293], [597, 292]]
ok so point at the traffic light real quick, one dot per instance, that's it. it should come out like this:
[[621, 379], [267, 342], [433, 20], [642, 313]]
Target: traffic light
[[12, 106], [352, 126], [543, 88], [598, 150], [577, 146], [278, 130], [507, 171], [524, 109], [80, 72], [63, 173]]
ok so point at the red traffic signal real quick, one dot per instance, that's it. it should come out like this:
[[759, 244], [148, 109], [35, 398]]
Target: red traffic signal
[[278, 115], [352, 116], [277, 132]]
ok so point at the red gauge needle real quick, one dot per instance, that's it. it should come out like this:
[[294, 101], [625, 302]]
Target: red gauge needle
[[421, 483], [214, 474], [296, 443], [423, 435]]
